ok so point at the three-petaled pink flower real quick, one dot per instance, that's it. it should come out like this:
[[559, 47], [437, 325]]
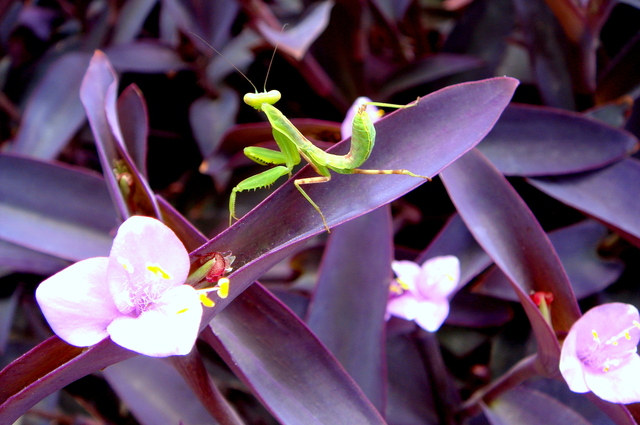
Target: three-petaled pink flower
[[136, 296], [600, 353], [420, 293]]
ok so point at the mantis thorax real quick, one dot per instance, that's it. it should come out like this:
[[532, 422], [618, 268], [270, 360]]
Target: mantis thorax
[[255, 100]]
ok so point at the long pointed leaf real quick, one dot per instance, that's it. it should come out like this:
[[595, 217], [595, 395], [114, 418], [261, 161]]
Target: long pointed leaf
[[348, 306], [507, 230]]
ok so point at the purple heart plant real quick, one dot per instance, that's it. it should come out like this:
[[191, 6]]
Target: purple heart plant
[[128, 298]]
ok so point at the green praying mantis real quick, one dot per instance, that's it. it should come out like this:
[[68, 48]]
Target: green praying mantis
[[294, 146]]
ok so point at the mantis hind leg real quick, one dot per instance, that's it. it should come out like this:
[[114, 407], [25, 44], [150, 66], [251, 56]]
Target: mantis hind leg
[[313, 180], [403, 172]]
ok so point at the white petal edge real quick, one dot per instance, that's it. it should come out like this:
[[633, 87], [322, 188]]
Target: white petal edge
[[76, 302], [167, 330]]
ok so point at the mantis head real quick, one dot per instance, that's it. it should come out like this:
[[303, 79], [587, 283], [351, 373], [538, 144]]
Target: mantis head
[[255, 100]]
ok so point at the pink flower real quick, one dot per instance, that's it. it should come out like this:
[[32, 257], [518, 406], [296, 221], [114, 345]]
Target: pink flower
[[599, 353], [345, 129], [420, 293], [136, 296]]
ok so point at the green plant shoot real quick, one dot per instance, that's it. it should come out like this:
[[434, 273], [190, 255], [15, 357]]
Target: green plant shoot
[[293, 145]]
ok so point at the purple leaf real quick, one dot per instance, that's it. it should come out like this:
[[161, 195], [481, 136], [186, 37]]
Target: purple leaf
[[348, 306], [507, 230], [476, 311], [577, 247], [297, 40], [313, 389], [609, 195], [130, 20], [455, 239], [53, 112], [134, 124], [48, 367], [17, 258], [144, 57], [622, 75], [525, 405], [54, 209], [538, 141], [171, 400], [98, 95], [428, 70], [210, 119], [411, 391], [7, 310], [543, 37]]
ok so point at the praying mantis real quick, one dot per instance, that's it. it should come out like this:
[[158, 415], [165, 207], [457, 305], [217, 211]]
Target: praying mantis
[[294, 146]]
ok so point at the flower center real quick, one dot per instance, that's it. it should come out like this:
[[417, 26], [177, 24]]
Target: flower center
[[604, 356], [145, 286]]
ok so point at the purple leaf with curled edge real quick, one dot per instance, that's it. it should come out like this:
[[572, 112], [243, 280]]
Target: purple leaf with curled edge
[[609, 195], [98, 95], [297, 40], [507, 230], [55, 209], [539, 141], [53, 112], [577, 247], [348, 306], [424, 139]]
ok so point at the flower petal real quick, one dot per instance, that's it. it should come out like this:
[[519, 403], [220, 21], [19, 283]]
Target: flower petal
[[440, 276], [432, 314], [619, 385], [407, 271], [76, 302], [169, 328], [571, 367], [405, 306], [145, 254]]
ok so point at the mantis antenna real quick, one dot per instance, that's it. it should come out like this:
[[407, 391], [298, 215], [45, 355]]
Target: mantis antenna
[[273, 55], [229, 62]]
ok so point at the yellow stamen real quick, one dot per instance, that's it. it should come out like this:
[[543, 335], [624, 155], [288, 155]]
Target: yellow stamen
[[206, 301], [223, 287], [184, 310], [627, 335], [158, 271], [596, 338], [402, 284]]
